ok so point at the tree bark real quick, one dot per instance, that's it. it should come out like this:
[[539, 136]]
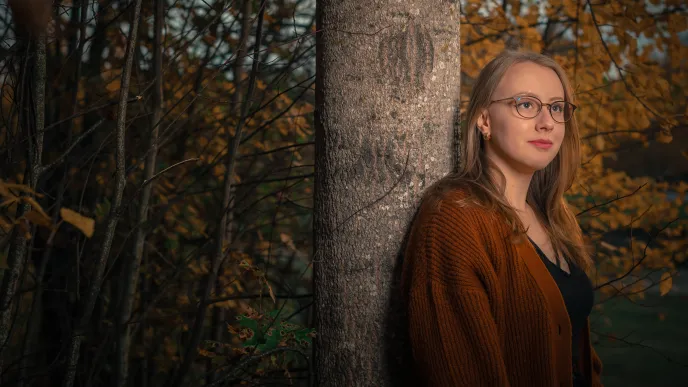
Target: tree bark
[[131, 268], [32, 346], [32, 116], [113, 218], [387, 92]]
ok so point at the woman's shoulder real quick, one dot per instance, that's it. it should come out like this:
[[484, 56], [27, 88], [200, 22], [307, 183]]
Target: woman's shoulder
[[458, 204], [451, 233]]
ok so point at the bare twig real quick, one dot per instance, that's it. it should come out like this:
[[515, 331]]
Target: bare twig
[[76, 142]]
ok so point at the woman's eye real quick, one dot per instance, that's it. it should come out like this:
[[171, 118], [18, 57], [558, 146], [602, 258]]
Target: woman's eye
[[526, 105], [557, 108]]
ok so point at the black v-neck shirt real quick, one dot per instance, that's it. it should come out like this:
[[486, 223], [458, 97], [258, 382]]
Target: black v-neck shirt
[[576, 289]]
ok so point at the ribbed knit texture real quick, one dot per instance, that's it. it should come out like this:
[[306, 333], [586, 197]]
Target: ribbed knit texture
[[475, 312]]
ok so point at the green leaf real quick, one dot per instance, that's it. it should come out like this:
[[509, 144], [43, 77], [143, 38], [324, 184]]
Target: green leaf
[[274, 314], [246, 322], [304, 335], [272, 338], [171, 244]]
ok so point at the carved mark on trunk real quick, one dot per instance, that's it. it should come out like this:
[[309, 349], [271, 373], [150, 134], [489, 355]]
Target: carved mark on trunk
[[406, 58]]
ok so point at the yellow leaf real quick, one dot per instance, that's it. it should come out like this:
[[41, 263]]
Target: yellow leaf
[[5, 187], [272, 294], [664, 137], [4, 225], [286, 239], [36, 217], [665, 283], [114, 85], [205, 353], [34, 204], [83, 223], [599, 142]]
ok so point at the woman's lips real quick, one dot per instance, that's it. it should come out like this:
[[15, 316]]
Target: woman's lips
[[542, 145]]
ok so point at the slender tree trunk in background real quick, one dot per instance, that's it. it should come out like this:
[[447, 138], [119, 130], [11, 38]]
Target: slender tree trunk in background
[[32, 118], [144, 367], [222, 235], [32, 350], [218, 324], [113, 218], [131, 268], [387, 89]]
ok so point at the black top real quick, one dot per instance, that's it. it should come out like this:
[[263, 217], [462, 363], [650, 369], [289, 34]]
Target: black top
[[576, 289]]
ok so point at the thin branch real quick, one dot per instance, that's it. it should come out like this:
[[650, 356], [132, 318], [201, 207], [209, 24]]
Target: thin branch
[[76, 142]]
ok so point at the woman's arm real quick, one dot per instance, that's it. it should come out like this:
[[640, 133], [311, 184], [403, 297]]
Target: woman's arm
[[452, 330]]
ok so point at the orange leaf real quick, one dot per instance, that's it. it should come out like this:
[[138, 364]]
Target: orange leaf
[[114, 85], [286, 239], [34, 204], [36, 217], [272, 294], [665, 283], [83, 223]]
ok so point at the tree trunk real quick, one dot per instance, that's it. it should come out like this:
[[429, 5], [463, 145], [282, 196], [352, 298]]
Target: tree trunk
[[73, 351], [218, 324], [191, 350], [131, 268], [32, 118], [33, 349], [387, 89]]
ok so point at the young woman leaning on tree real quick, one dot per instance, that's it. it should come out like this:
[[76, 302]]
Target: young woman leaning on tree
[[494, 274]]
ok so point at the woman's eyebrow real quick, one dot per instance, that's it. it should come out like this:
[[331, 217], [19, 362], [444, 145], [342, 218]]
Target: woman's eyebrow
[[538, 97]]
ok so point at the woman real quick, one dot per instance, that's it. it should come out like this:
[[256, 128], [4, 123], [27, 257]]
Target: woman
[[494, 273]]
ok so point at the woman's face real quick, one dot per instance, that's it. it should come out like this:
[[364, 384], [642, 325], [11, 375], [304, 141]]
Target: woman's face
[[512, 139]]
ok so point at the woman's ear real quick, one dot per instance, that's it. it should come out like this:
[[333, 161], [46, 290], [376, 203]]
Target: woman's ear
[[483, 122]]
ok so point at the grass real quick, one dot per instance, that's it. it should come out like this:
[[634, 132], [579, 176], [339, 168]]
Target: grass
[[661, 359]]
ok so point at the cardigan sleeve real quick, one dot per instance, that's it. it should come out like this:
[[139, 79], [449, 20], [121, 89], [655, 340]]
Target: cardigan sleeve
[[452, 330]]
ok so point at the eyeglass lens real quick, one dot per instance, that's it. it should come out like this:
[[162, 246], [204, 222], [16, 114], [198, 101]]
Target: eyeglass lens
[[529, 107]]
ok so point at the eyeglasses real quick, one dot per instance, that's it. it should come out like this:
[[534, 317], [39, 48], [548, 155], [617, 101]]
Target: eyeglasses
[[530, 107]]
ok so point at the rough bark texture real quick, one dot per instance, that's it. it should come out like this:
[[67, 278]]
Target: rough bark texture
[[388, 76], [33, 120]]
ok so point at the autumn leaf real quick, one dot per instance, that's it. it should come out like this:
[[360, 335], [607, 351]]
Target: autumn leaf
[[36, 217], [286, 239], [113, 86], [4, 225], [665, 284], [34, 204], [205, 353], [272, 294], [83, 223], [5, 188], [664, 137]]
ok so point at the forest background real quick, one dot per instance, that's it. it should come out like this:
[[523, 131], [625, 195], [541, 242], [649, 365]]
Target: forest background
[[157, 164]]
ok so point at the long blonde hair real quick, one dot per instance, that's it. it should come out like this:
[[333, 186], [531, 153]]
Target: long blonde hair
[[546, 191]]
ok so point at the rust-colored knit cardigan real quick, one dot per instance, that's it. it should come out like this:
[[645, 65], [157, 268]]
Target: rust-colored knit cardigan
[[483, 310]]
